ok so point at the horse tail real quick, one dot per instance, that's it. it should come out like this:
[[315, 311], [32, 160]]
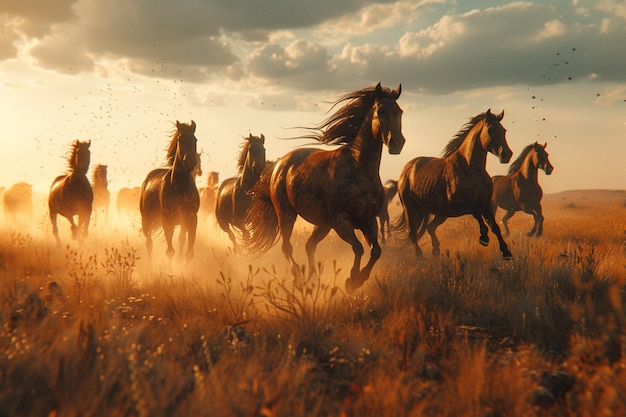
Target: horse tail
[[262, 220]]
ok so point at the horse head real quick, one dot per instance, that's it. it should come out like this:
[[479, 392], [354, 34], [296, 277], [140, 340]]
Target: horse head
[[81, 157], [255, 159], [541, 158], [493, 137], [186, 142], [387, 119]]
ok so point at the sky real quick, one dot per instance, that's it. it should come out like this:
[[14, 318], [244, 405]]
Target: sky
[[121, 72]]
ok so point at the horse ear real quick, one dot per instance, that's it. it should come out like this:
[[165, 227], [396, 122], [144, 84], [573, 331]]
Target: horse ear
[[177, 124], [545, 145], [378, 90], [488, 112], [193, 126], [501, 115], [89, 143], [262, 138], [398, 91]]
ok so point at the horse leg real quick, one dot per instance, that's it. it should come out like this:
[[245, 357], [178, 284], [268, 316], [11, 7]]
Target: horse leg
[[432, 227], [83, 224], [181, 237], [417, 221], [55, 228], [538, 225], [146, 227], [192, 223], [73, 227], [168, 231], [505, 221], [491, 220], [286, 223], [318, 234], [357, 277], [484, 237]]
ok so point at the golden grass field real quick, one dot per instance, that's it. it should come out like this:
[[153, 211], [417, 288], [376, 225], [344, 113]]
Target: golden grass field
[[92, 330]]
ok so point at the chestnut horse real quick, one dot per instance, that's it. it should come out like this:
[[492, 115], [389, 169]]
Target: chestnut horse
[[169, 196], [456, 184], [336, 189], [520, 189], [71, 194], [232, 201], [101, 194]]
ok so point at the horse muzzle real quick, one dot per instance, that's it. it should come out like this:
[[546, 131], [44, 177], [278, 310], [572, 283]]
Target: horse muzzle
[[505, 155], [395, 143]]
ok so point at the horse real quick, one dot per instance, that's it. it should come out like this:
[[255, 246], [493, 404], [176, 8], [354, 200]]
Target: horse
[[71, 194], [128, 200], [391, 189], [197, 170], [520, 189], [456, 184], [169, 196], [18, 199], [101, 194], [338, 189], [207, 195], [232, 201]]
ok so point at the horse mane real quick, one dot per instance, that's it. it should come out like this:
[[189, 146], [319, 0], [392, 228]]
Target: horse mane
[[458, 139], [517, 164], [243, 154], [342, 127], [98, 176]]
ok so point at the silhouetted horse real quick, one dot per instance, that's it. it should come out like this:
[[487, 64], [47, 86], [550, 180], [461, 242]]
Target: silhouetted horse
[[18, 199], [197, 170], [208, 194], [71, 194], [391, 189], [232, 200], [456, 184], [336, 189], [520, 189], [169, 196], [101, 194], [128, 200]]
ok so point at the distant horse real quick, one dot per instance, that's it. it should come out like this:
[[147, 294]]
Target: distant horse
[[169, 196], [336, 189], [456, 184], [207, 195], [232, 201], [197, 170], [520, 189], [71, 194], [18, 199], [101, 194], [391, 189], [128, 200]]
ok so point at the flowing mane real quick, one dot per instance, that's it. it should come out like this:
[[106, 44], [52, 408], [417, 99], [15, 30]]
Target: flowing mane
[[183, 128], [342, 127], [241, 159], [458, 139], [99, 175], [517, 164]]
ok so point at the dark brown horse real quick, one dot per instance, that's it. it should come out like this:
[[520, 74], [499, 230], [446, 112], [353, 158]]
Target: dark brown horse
[[336, 189], [391, 189], [520, 189], [208, 194], [232, 201], [456, 184], [169, 196], [71, 194], [101, 194]]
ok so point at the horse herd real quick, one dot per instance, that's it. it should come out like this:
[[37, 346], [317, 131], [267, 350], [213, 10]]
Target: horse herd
[[333, 189]]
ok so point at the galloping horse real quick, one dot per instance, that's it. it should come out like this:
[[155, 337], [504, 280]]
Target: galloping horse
[[207, 195], [232, 201], [128, 200], [71, 194], [197, 170], [18, 199], [336, 189], [101, 195], [456, 184], [169, 196], [520, 189]]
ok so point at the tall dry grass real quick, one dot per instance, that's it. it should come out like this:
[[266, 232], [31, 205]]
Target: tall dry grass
[[92, 329]]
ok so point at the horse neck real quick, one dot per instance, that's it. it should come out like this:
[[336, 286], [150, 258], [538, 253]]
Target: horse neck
[[529, 169], [247, 178], [366, 150], [472, 149]]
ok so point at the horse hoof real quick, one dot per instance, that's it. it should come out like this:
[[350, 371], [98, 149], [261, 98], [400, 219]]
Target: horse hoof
[[435, 253], [507, 256], [484, 241], [352, 285]]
